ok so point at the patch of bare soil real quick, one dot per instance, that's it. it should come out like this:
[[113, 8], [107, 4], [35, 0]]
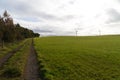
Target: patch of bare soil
[[31, 68]]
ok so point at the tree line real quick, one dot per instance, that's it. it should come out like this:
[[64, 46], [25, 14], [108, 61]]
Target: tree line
[[10, 32]]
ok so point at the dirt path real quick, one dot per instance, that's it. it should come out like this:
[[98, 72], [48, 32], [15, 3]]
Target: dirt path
[[7, 56], [31, 68]]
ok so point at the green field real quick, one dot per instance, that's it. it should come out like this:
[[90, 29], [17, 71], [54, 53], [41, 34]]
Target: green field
[[79, 58]]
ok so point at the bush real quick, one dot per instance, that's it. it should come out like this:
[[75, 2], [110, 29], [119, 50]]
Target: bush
[[11, 72]]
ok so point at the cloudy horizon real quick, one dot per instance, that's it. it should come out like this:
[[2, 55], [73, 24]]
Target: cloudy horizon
[[64, 17]]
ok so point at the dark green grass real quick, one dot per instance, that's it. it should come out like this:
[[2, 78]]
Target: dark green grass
[[79, 58], [14, 67], [9, 47]]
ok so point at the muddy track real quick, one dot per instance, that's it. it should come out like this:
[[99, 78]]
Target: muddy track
[[9, 55], [31, 68]]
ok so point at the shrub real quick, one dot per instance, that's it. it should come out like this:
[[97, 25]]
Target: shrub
[[11, 72]]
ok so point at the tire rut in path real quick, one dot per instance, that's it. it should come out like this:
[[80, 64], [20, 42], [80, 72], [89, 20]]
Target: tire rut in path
[[31, 68], [8, 55]]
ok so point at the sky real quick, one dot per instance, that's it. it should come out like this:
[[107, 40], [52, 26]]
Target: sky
[[65, 17]]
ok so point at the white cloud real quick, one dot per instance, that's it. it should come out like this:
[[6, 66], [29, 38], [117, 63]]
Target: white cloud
[[62, 17]]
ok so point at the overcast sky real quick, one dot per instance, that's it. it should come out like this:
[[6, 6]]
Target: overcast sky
[[64, 17]]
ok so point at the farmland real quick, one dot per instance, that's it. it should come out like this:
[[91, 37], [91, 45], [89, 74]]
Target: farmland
[[79, 58]]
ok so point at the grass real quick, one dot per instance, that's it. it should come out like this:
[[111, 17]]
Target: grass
[[9, 47], [79, 58], [14, 67]]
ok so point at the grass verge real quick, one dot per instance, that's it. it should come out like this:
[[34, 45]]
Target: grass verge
[[13, 69]]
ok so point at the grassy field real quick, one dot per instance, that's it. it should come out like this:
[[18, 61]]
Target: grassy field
[[79, 58]]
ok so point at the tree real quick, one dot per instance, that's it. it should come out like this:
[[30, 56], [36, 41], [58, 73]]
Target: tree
[[36, 35], [10, 32], [5, 14]]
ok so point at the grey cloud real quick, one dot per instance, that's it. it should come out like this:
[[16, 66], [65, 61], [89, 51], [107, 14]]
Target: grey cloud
[[12, 5], [114, 16], [45, 15], [53, 17], [69, 17], [16, 7], [118, 0], [30, 19], [25, 10], [43, 30], [51, 30], [72, 1], [62, 6]]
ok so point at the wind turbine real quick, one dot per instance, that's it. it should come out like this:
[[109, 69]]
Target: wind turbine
[[76, 31], [77, 28], [99, 31]]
